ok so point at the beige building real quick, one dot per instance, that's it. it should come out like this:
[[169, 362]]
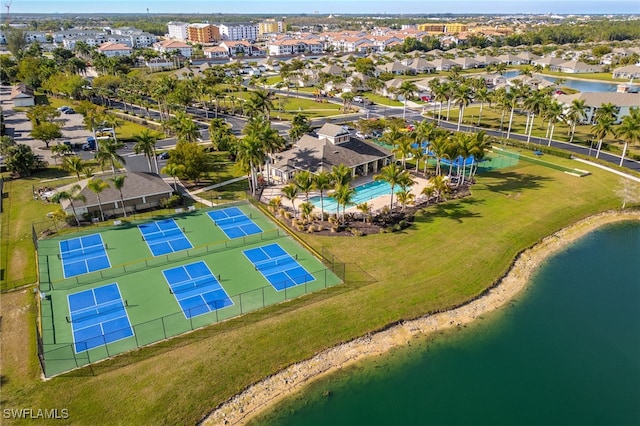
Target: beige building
[[203, 33], [270, 26]]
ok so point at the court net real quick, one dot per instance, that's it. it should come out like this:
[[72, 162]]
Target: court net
[[230, 220], [197, 284], [96, 311], [274, 262]]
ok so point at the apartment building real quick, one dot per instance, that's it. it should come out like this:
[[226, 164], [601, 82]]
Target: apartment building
[[239, 31], [177, 30], [270, 26], [203, 33]]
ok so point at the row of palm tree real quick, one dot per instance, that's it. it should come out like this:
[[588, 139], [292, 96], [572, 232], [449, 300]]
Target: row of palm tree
[[96, 185]]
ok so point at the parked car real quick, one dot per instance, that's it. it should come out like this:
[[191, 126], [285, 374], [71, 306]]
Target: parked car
[[69, 111], [358, 99], [63, 108], [164, 156], [90, 145]]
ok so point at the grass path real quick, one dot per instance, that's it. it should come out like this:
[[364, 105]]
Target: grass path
[[452, 253]]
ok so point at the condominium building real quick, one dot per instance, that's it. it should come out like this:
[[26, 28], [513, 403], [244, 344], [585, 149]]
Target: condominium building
[[456, 28], [270, 26], [203, 33], [431, 28], [177, 30], [240, 31]]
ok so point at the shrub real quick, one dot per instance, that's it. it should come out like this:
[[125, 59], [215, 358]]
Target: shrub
[[403, 224], [173, 201]]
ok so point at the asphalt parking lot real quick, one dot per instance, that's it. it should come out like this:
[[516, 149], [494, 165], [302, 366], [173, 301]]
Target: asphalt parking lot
[[72, 130]]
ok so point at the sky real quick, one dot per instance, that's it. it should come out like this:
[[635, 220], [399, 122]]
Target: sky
[[283, 7]]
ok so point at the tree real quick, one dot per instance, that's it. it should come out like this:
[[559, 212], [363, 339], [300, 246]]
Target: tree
[[73, 164], [250, 155], [322, 181], [21, 161], [173, 170], [403, 149], [553, 112], [602, 127], [16, 41], [576, 113], [629, 130], [440, 185], [97, 186], [72, 194], [146, 144], [290, 192], [185, 128], [108, 153], [299, 126], [304, 181], [192, 157], [365, 208], [462, 96], [428, 192], [534, 103], [46, 132], [341, 174], [306, 209], [118, 183], [391, 174], [343, 195], [407, 89]]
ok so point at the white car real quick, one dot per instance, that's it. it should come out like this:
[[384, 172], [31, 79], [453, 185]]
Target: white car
[[358, 99]]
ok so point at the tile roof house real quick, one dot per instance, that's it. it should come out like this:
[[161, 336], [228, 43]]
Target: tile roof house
[[141, 191], [630, 71], [112, 49], [332, 146], [166, 46]]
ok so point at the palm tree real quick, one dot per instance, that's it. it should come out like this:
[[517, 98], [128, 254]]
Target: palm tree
[[553, 112], [173, 170], [73, 164], [72, 194], [341, 174], [146, 144], [185, 128], [322, 181], [428, 192], [577, 112], [108, 153], [304, 181], [465, 150], [482, 95], [403, 148], [629, 130], [439, 149], [440, 185], [534, 103], [97, 185], [343, 195], [603, 126], [509, 100], [405, 196], [406, 89], [290, 192], [250, 156], [365, 208], [462, 96], [118, 183], [391, 174]]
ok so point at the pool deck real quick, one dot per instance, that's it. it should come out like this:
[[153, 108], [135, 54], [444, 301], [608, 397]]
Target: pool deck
[[376, 204]]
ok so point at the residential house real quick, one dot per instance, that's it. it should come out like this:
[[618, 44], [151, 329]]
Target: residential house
[[577, 67], [629, 71], [466, 63], [333, 145], [593, 101], [167, 46], [111, 49], [393, 68], [419, 65], [443, 64], [215, 52]]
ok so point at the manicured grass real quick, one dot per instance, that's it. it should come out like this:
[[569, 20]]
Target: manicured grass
[[453, 252], [309, 107]]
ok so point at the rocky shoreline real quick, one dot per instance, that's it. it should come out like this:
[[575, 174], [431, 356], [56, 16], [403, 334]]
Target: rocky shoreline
[[263, 395]]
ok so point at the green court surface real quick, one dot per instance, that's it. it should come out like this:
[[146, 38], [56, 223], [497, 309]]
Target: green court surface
[[154, 311]]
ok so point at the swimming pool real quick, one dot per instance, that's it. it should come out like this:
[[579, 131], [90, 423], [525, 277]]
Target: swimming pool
[[365, 192]]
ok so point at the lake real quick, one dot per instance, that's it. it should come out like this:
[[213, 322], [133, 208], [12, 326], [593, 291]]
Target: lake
[[573, 83], [567, 352]]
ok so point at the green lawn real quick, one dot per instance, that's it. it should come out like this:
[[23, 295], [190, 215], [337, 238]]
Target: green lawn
[[452, 253]]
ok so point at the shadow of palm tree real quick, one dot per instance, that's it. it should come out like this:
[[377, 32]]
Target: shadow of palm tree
[[455, 209], [505, 182]]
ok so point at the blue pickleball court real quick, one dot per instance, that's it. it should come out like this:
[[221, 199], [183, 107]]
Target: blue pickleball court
[[98, 316], [279, 268], [82, 255], [234, 222], [196, 289], [164, 237]]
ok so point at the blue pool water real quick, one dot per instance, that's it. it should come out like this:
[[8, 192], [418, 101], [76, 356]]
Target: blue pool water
[[366, 192]]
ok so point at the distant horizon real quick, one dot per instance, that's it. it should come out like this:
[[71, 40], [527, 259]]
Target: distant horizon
[[348, 7]]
